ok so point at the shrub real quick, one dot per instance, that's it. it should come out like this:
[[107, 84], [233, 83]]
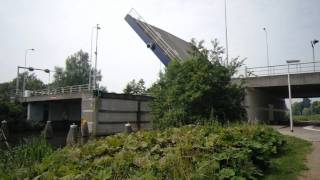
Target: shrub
[[189, 152], [197, 90]]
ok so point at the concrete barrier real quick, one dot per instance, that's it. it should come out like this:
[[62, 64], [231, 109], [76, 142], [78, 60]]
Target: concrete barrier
[[72, 136]]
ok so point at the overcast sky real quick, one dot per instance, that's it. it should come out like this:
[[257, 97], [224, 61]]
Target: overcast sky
[[59, 28]]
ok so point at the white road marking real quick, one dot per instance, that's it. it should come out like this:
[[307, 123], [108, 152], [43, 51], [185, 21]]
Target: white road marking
[[311, 128]]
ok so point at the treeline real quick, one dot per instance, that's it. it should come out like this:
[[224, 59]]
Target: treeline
[[306, 107]]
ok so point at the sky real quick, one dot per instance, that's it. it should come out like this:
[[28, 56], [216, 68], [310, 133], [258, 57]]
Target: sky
[[57, 29]]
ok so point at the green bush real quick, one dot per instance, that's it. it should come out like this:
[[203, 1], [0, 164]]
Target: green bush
[[197, 90], [189, 152], [17, 162]]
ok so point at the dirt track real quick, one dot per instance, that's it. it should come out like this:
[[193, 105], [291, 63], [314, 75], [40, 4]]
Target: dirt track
[[313, 163], [313, 159]]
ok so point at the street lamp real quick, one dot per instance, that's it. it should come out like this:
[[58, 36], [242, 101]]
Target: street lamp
[[268, 60], [289, 89], [226, 29], [95, 63], [30, 69], [90, 62], [313, 43], [25, 65]]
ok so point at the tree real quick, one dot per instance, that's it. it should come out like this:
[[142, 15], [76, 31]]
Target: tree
[[315, 107], [14, 112], [76, 72], [306, 102], [135, 88], [297, 108], [197, 90]]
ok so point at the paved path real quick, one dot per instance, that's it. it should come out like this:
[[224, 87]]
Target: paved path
[[310, 133]]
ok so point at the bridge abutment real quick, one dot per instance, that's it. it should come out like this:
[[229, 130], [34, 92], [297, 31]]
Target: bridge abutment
[[104, 114]]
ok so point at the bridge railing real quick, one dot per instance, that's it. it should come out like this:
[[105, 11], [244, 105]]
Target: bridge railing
[[61, 90], [283, 69]]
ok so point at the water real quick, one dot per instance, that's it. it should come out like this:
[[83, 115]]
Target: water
[[58, 140]]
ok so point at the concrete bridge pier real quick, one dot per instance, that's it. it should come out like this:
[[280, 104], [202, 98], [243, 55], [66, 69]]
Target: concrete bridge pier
[[262, 106]]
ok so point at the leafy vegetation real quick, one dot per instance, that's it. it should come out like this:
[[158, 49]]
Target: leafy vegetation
[[135, 88], [288, 166], [197, 90], [18, 161], [15, 113], [305, 107], [189, 152]]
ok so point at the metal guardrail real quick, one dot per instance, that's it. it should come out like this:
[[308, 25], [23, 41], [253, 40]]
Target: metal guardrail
[[173, 54], [60, 90], [284, 69]]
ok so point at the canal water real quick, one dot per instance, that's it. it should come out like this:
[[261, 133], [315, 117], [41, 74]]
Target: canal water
[[57, 141]]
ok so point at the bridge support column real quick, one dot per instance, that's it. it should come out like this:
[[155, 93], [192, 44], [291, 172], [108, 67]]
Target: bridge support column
[[260, 106], [271, 113], [35, 111], [89, 106]]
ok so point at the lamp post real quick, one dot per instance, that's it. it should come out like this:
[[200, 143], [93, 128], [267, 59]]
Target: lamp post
[[226, 29], [267, 45], [90, 62], [96, 59], [289, 89], [313, 43], [25, 65]]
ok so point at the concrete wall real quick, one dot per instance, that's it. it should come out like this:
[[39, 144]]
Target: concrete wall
[[114, 112]]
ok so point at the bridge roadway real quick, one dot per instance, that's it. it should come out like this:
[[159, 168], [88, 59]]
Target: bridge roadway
[[265, 95], [264, 101]]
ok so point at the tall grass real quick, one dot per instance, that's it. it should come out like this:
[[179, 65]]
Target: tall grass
[[17, 161], [312, 117]]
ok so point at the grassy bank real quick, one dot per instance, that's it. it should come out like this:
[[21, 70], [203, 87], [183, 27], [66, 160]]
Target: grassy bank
[[189, 152], [290, 163], [18, 161]]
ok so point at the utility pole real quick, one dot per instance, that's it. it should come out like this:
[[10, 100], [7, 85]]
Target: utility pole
[[96, 59]]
